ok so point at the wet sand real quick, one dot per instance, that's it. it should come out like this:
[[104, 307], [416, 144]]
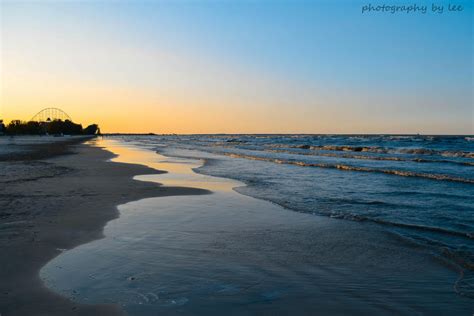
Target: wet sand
[[55, 196]]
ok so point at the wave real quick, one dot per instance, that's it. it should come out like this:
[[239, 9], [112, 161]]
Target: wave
[[387, 150], [463, 259], [431, 194], [383, 158], [388, 143], [459, 258], [380, 150], [365, 218], [360, 218], [440, 177]]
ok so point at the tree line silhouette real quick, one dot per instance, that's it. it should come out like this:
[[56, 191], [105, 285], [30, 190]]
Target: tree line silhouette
[[55, 127]]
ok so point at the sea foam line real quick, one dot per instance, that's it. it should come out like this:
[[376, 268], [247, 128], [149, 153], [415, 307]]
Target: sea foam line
[[440, 177]]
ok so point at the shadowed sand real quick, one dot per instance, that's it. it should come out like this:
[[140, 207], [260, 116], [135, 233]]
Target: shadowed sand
[[48, 206]]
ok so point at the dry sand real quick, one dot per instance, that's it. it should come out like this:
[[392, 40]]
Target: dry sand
[[55, 197]]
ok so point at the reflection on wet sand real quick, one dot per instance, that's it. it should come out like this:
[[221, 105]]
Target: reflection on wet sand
[[178, 170]]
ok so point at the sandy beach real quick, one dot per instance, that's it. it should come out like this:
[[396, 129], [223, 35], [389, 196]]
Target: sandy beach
[[108, 227], [229, 253], [52, 204]]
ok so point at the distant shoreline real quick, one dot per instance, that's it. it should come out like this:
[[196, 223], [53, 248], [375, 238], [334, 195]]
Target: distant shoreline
[[256, 134], [276, 134]]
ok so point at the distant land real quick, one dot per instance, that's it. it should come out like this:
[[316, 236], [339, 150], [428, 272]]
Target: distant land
[[50, 127]]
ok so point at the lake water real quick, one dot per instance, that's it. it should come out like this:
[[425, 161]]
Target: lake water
[[358, 224]]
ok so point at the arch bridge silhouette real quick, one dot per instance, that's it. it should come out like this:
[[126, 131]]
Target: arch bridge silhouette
[[50, 114]]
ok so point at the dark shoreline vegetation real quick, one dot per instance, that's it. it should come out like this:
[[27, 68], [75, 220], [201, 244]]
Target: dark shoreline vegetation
[[54, 127]]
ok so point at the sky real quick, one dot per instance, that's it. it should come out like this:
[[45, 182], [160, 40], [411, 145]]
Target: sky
[[240, 66]]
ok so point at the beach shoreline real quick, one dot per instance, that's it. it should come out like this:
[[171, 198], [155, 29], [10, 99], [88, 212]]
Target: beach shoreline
[[58, 196], [232, 253], [106, 204]]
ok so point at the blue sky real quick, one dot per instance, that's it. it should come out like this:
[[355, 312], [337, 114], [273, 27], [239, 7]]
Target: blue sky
[[273, 66]]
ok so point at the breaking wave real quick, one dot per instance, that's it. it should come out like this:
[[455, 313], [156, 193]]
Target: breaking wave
[[403, 173], [386, 150], [382, 158]]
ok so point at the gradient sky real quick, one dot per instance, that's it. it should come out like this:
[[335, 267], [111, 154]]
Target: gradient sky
[[239, 66]]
